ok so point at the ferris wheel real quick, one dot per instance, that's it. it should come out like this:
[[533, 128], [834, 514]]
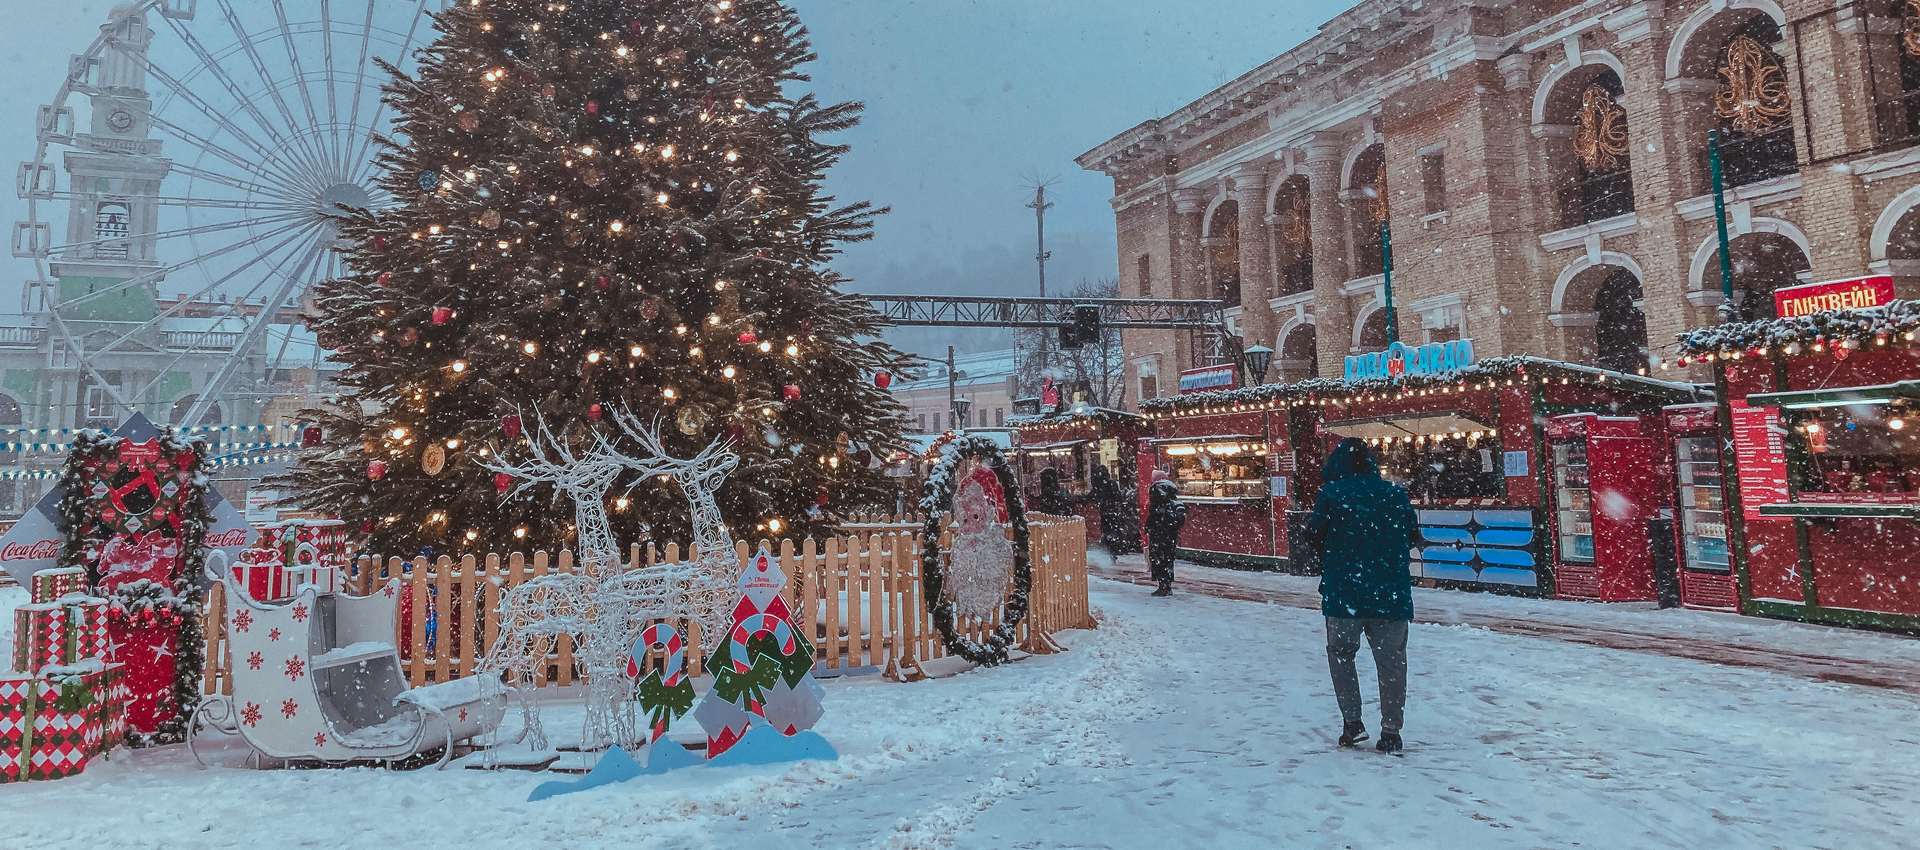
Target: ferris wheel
[[179, 201]]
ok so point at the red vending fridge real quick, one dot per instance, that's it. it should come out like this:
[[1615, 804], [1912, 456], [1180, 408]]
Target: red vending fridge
[[1606, 486], [1706, 568]]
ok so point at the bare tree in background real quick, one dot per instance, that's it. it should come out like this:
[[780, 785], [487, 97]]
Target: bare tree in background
[[1098, 369]]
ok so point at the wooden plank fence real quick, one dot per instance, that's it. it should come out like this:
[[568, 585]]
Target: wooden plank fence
[[859, 595]]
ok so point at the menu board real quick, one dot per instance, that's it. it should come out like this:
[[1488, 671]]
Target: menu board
[[1759, 458]]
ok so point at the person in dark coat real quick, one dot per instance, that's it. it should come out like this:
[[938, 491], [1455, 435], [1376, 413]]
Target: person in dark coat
[[1364, 526], [1166, 516], [1119, 525], [1052, 498]]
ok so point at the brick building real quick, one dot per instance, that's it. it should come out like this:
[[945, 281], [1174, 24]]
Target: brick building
[[1543, 168]]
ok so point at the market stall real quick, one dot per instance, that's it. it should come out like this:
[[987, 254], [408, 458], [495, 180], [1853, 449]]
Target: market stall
[[1092, 450], [1820, 411], [1703, 559], [1509, 496]]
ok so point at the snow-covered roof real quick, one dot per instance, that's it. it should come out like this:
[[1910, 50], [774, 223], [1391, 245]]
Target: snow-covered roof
[[1877, 325], [1498, 367]]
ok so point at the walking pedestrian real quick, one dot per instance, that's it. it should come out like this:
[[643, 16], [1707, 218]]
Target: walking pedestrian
[[1119, 527], [1364, 526], [1166, 515]]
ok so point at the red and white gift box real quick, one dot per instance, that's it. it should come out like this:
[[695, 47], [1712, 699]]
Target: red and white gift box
[[68, 630], [51, 584], [263, 574], [53, 723]]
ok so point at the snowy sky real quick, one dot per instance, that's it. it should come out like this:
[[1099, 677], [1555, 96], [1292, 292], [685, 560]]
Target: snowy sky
[[968, 100]]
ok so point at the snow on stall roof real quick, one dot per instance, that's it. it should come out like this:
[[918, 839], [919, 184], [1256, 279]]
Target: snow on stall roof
[[1893, 317], [1497, 367]]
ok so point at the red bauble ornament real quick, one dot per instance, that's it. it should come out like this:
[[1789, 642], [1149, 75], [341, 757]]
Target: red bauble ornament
[[883, 379], [604, 282], [366, 526], [791, 392], [501, 482], [593, 107], [510, 425], [385, 279], [748, 338], [379, 243], [594, 411], [822, 498], [650, 309], [376, 470], [442, 314], [310, 436]]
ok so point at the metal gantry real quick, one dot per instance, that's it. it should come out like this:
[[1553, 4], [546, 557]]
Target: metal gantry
[[1206, 321]]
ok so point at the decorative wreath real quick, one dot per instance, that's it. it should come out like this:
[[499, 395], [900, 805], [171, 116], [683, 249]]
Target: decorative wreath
[[936, 503]]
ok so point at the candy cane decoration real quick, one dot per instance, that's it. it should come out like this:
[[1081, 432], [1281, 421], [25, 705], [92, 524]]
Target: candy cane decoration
[[660, 636], [754, 626]]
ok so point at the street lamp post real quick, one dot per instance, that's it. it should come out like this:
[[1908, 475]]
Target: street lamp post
[[1255, 361], [961, 406]]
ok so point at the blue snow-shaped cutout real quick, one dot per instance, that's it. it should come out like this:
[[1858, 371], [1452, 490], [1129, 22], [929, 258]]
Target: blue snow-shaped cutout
[[665, 755], [1507, 557], [1446, 535], [613, 768], [763, 745], [1516, 578], [1504, 519]]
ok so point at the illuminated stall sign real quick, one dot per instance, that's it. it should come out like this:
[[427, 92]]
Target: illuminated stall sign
[[1209, 378], [1405, 361], [1810, 298]]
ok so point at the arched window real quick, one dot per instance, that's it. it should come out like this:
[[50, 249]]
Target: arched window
[[1893, 71], [1293, 209], [1369, 209], [1299, 355], [1762, 263], [1222, 244], [1620, 325], [112, 222], [1591, 152], [1753, 105], [1373, 331]]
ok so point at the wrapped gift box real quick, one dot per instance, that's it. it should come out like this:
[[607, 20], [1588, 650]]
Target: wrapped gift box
[[264, 575], [53, 723], [326, 578], [51, 584], [68, 630]]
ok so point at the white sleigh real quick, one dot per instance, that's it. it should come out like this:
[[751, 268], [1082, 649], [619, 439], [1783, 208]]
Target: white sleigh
[[316, 678]]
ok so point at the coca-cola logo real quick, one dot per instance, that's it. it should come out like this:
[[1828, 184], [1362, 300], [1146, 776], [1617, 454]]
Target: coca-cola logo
[[225, 539], [44, 550]]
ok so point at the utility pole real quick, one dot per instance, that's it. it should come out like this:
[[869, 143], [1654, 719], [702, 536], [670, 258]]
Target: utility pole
[[1717, 173], [1041, 255], [953, 413], [1386, 281]]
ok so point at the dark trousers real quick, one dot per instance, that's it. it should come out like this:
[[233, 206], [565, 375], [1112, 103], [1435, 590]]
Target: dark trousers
[[1161, 566], [1388, 638]]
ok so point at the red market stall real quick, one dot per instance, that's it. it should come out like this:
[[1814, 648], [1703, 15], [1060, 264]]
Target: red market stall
[[1820, 411], [1074, 443], [1510, 497]]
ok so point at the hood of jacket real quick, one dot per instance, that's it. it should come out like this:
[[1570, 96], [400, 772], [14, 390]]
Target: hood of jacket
[[1349, 459]]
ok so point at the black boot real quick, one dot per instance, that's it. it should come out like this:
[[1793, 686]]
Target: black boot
[[1353, 734], [1389, 743], [1165, 589]]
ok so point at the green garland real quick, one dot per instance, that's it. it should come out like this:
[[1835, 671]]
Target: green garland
[[85, 537]]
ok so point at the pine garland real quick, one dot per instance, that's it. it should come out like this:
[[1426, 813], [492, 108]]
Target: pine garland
[[936, 502], [1880, 325], [1321, 390]]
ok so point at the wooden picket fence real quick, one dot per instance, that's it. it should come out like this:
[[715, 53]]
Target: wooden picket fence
[[858, 595]]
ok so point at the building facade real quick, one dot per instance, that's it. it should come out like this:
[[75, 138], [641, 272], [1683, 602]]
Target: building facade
[[987, 379], [1540, 171]]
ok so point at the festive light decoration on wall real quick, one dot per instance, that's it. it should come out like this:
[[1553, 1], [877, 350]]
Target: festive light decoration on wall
[[1600, 132], [1753, 91]]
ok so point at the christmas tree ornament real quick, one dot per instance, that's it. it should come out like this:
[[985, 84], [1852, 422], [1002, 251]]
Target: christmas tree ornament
[[748, 338], [433, 459], [385, 279], [883, 379], [690, 421], [790, 392], [595, 411], [442, 314], [490, 219], [378, 242], [376, 469], [593, 107], [428, 180], [469, 121], [502, 482], [510, 425]]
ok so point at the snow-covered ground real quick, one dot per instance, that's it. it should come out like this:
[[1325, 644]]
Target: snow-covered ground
[[1182, 722]]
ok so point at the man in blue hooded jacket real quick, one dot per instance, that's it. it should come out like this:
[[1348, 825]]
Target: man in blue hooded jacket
[[1364, 526]]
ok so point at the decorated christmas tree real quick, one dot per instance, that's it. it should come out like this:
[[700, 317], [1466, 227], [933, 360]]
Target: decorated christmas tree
[[601, 204]]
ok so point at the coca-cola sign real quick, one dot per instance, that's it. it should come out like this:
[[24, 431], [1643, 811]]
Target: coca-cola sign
[[41, 550], [227, 538]]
